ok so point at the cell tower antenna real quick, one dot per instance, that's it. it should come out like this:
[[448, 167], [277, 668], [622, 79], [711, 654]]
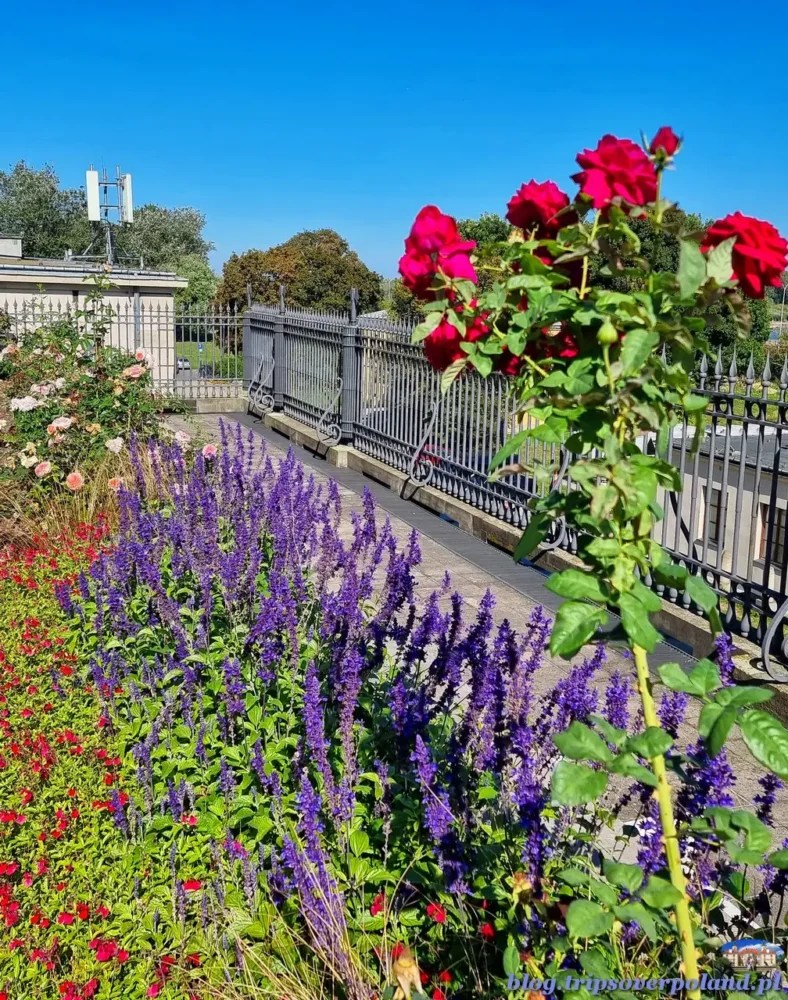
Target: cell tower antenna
[[110, 204]]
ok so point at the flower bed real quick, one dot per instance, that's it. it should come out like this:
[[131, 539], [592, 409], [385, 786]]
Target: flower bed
[[325, 785]]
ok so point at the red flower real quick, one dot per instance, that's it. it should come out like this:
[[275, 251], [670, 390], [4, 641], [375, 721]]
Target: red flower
[[487, 931], [66, 919], [153, 990], [455, 263], [90, 987], [617, 170], [193, 959], [397, 950], [122, 956], [438, 994], [83, 911], [8, 868], [665, 143], [192, 884], [378, 904], [508, 364], [442, 346], [417, 271], [424, 977], [759, 253], [536, 206], [431, 231], [437, 913], [189, 820], [445, 976]]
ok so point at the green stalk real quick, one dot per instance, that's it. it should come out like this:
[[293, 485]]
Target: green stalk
[[670, 837]]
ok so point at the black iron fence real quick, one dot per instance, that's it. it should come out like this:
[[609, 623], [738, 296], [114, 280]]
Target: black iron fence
[[359, 380]]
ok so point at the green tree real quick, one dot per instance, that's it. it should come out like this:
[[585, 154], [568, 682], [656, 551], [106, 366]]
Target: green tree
[[49, 220], [317, 267], [203, 282], [162, 236]]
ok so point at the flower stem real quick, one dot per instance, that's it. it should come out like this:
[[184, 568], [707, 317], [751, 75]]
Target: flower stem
[[670, 837]]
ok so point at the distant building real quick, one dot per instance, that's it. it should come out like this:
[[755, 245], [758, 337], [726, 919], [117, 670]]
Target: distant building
[[32, 289]]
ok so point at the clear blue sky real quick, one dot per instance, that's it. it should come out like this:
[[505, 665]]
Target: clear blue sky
[[276, 117]]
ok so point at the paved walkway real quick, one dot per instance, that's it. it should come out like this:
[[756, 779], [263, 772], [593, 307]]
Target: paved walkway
[[475, 567]]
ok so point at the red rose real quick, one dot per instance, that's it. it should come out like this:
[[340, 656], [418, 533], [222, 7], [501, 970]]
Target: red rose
[[431, 230], [617, 170], [397, 950], [444, 977], [378, 904], [438, 994], [454, 261], [487, 931], [478, 329], [759, 253], [442, 346], [536, 206], [436, 911], [192, 884], [508, 364], [90, 987], [417, 271], [66, 919], [665, 143]]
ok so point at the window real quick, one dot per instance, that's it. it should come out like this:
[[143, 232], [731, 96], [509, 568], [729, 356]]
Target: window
[[773, 548], [713, 513]]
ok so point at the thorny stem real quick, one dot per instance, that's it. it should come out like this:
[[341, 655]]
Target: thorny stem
[[584, 282], [689, 954]]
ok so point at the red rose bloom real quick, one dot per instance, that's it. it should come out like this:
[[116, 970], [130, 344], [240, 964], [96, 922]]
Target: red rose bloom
[[417, 272], [759, 253], [665, 143], [508, 364], [378, 904], [617, 170], [192, 884], [397, 950], [487, 931], [438, 994], [431, 231], [437, 913], [444, 977], [442, 346], [536, 206], [90, 987], [454, 261]]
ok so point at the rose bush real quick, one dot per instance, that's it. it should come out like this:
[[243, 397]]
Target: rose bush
[[606, 375]]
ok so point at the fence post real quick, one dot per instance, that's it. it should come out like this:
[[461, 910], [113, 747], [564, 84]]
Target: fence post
[[249, 365], [280, 357], [348, 405]]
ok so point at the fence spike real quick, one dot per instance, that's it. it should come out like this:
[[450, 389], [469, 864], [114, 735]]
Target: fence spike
[[733, 371], [784, 374], [718, 365], [704, 366], [767, 372], [750, 371]]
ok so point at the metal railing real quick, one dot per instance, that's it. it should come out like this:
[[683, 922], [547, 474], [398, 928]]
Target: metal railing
[[363, 378], [195, 352]]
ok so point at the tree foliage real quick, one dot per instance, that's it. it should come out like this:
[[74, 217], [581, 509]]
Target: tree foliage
[[52, 220], [317, 268], [201, 289]]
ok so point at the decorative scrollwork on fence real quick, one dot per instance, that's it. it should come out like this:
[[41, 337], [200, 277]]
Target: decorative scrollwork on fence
[[559, 531], [422, 463], [774, 670], [261, 398], [328, 428]]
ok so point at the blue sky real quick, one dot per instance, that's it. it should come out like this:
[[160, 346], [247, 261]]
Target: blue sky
[[272, 118]]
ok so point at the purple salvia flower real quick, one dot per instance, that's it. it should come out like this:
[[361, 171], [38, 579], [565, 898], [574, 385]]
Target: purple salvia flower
[[617, 696]]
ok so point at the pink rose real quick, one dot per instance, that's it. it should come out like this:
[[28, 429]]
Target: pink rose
[[75, 481], [42, 469], [537, 206], [431, 230], [618, 170], [209, 451], [665, 143], [133, 371]]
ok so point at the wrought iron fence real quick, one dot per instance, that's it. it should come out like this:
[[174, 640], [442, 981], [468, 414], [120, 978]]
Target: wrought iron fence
[[362, 378], [195, 352]]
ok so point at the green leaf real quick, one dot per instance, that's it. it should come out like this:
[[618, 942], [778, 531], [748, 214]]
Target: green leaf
[[535, 533], [651, 743], [659, 893], [719, 731], [719, 261], [671, 574], [510, 448], [423, 330], [573, 876], [576, 784], [708, 716], [578, 742], [611, 733], [636, 348], [701, 680], [483, 363], [627, 876], [454, 370], [694, 403], [586, 919], [576, 584], [511, 960], [636, 622], [701, 593], [359, 842], [742, 695], [779, 859], [638, 913], [767, 739], [626, 764], [692, 268], [575, 623]]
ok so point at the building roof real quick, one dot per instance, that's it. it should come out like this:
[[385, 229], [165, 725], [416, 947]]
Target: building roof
[[34, 269]]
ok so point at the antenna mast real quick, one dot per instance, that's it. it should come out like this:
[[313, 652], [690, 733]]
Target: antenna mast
[[108, 199]]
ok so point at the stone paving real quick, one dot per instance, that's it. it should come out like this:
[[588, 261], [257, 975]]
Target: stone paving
[[476, 567]]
